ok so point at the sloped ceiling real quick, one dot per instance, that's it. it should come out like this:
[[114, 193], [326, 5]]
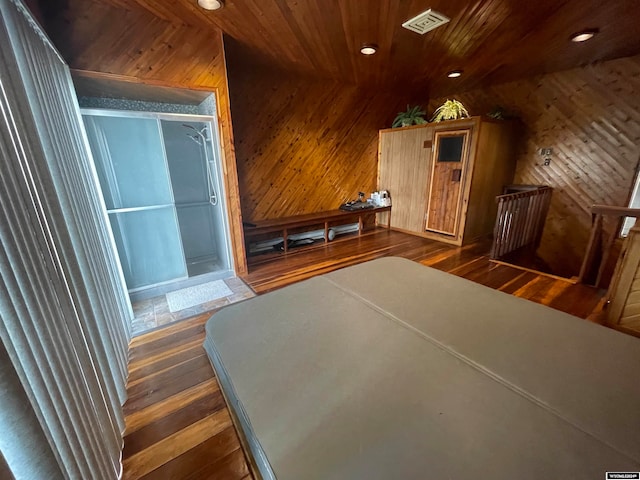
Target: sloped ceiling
[[491, 40]]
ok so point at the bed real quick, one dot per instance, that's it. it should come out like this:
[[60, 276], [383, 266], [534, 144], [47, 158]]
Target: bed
[[391, 369]]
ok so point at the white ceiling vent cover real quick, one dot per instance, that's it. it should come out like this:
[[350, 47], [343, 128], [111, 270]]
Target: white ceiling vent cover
[[425, 22]]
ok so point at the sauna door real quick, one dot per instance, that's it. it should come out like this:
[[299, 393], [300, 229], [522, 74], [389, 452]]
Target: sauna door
[[450, 154]]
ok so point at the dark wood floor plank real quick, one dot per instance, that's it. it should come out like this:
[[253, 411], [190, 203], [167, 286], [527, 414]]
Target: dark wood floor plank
[[164, 385], [457, 258], [231, 467], [518, 282], [170, 341], [163, 361], [577, 300], [536, 289], [203, 461], [189, 414], [142, 417], [475, 265], [171, 447], [169, 372], [496, 277]]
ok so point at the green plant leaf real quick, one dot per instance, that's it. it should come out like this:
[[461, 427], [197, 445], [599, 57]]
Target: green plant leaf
[[413, 115], [450, 110]]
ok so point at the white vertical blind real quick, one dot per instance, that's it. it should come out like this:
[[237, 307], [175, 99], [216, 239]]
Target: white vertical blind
[[64, 310]]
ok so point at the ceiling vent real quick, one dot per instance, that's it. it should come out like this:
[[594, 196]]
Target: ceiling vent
[[425, 22]]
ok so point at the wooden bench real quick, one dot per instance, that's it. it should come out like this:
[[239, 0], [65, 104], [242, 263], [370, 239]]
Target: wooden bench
[[284, 224]]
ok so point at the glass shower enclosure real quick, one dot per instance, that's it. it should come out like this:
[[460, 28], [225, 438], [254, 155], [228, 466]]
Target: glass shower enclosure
[[161, 182]]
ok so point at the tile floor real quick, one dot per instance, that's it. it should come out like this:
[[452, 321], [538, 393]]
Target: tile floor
[[154, 312]]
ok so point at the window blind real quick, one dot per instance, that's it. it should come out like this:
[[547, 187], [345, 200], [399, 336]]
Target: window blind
[[65, 314]]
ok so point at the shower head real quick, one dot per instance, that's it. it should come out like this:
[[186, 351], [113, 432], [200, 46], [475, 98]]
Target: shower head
[[203, 133], [200, 133]]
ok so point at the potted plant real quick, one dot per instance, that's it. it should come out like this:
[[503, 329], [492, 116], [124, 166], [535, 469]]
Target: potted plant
[[413, 116], [450, 110], [498, 113]]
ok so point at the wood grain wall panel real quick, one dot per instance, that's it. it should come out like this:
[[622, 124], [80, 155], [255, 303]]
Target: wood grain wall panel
[[303, 145], [139, 47], [408, 180], [494, 167], [590, 117], [35, 9]]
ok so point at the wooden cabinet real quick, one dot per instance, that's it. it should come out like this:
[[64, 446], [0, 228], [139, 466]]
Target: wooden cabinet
[[443, 177]]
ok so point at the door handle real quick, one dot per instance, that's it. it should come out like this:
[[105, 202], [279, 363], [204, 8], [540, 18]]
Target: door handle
[[456, 174]]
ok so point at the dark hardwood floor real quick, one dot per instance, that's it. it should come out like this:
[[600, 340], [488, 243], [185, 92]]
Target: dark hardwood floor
[[178, 425]]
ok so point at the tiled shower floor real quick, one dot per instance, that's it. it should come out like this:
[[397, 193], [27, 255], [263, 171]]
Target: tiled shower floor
[[154, 312]]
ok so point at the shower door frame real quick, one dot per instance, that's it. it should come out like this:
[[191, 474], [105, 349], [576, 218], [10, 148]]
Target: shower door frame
[[212, 123]]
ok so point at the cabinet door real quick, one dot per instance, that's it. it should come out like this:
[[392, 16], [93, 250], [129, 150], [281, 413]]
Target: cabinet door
[[404, 166], [450, 154]]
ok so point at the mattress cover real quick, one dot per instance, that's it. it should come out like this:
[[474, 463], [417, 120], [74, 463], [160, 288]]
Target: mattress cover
[[390, 369]]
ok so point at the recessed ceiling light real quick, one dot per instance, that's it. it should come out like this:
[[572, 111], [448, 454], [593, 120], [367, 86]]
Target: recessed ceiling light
[[369, 49], [454, 73], [584, 35], [210, 4]]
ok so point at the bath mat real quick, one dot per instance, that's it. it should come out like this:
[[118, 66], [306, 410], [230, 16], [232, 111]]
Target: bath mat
[[192, 296]]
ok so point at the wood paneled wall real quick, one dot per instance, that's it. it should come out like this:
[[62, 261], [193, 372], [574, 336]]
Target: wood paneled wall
[[34, 8], [590, 117], [139, 47], [303, 145]]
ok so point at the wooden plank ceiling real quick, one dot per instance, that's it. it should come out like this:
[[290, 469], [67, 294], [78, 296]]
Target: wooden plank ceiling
[[491, 40]]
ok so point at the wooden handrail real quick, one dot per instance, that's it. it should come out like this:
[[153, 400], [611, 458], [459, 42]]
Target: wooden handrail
[[598, 251], [615, 211], [520, 219]]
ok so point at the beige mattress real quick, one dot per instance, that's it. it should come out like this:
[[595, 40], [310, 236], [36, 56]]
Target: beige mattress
[[390, 369]]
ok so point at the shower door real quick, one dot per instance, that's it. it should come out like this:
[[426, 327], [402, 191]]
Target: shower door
[[133, 173], [197, 192]]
